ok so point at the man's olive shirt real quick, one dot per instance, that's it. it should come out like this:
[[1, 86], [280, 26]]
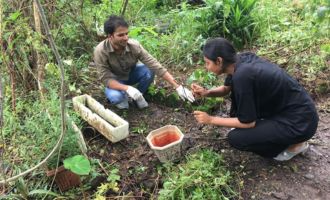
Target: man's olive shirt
[[111, 65]]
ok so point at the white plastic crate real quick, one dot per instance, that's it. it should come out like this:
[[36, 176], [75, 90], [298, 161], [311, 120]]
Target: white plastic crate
[[108, 123]]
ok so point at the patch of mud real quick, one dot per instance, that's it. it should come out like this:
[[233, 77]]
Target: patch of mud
[[302, 178]]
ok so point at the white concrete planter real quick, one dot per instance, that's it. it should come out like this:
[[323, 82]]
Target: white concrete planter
[[166, 142], [108, 123]]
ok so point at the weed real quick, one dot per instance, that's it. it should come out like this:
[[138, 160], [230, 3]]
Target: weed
[[203, 176], [114, 175], [208, 80], [141, 129], [232, 19], [293, 36], [111, 185], [207, 104], [203, 78]]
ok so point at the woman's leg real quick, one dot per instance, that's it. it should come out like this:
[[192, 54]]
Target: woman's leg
[[265, 139], [295, 147]]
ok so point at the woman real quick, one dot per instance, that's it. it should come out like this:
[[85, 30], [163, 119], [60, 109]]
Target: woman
[[272, 114]]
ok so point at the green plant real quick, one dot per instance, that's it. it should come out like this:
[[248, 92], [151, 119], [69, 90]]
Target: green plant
[[112, 184], [233, 20], [146, 35], [101, 190], [207, 104], [137, 170], [141, 129], [32, 133], [113, 175], [156, 92], [293, 35], [207, 80], [77, 164], [203, 78], [203, 176], [161, 95]]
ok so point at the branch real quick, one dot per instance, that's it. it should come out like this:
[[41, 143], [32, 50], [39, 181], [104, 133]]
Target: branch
[[1, 103], [123, 10], [2, 168]]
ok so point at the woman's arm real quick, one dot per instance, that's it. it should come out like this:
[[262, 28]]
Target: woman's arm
[[204, 118], [219, 91], [199, 91]]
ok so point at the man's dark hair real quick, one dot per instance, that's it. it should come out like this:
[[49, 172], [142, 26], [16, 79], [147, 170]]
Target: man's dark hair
[[112, 23], [220, 47]]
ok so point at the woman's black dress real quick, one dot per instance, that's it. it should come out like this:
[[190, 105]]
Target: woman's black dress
[[284, 112]]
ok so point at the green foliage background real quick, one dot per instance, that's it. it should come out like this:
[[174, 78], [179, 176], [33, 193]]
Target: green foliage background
[[293, 34]]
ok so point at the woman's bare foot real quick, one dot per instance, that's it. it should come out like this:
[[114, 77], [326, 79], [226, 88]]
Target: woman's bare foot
[[292, 151], [296, 147]]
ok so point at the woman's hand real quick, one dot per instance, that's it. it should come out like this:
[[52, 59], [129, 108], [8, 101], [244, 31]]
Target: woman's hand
[[198, 90], [202, 117]]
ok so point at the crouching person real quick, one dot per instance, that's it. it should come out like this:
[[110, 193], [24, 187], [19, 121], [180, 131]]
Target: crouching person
[[122, 62]]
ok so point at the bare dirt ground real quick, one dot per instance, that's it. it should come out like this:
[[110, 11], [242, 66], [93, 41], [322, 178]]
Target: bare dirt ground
[[305, 177]]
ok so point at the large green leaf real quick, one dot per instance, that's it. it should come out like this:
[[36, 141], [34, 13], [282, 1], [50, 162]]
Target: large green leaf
[[15, 15], [78, 164]]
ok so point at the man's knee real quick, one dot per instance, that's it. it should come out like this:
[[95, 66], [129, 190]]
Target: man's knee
[[149, 75], [114, 96]]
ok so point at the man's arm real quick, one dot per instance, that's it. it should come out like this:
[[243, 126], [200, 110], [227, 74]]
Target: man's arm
[[101, 63], [169, 78], [154, 65], [114, 84], [150, 61]]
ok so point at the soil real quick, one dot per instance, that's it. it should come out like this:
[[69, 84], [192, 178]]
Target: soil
[[304, 177]]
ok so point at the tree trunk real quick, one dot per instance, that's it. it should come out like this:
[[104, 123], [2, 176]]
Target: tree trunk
[[40, 61]]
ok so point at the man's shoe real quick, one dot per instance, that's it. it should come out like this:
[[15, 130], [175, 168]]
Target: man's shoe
[[287, 155], [123, 104], [141, 103]]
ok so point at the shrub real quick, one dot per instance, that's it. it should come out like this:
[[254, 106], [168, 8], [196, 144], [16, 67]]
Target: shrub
[[233, 20]]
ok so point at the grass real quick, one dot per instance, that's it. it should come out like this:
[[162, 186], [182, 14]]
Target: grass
[[295, 37], [203, 176], [293, 34]]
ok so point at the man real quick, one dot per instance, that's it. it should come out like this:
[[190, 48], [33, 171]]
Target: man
[[117, 62]]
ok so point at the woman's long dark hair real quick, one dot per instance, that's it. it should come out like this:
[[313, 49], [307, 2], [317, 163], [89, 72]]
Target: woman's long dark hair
[[220, 47]]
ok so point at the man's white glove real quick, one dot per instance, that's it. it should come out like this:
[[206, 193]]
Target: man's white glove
[[185, 93], [133, 93]]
